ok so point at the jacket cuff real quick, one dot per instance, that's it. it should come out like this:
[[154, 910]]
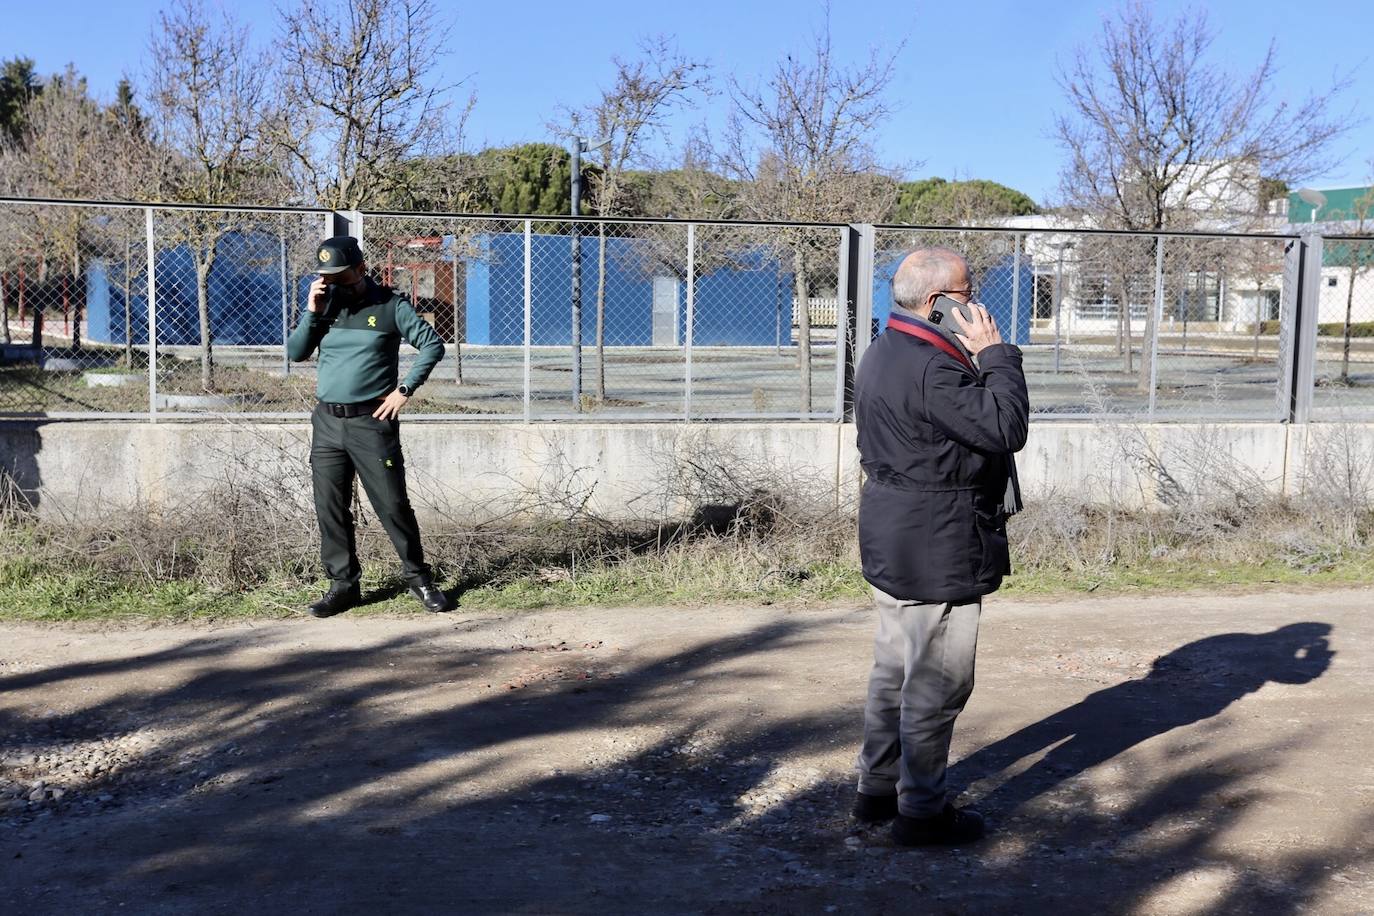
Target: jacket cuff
[[999, 353]]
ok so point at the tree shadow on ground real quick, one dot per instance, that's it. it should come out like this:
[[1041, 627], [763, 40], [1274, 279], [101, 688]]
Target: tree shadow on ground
[[417, 786]]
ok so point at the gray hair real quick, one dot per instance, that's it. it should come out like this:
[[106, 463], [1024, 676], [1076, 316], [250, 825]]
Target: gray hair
[[923, 272]]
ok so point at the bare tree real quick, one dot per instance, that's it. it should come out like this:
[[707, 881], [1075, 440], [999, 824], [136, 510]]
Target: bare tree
[[359, 97], [136, 169], [802, 144], [1257, 262], [211, 91], [629, 115], [61, 153], [1158, 137]]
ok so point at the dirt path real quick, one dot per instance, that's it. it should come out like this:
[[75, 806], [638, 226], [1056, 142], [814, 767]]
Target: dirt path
[[1166, 755]]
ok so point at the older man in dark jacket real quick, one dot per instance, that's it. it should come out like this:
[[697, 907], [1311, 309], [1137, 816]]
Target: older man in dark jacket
[[941, 406]]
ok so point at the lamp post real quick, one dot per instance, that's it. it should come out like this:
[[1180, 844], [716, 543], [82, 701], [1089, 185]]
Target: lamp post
[[1316, 199], [580, 145]]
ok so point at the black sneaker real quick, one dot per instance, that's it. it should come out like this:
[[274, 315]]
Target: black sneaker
[[432, 597], [874, 809], [335, 601], [950, 827]]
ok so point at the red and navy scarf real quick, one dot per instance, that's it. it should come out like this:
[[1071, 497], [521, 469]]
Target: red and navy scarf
[[906, 326]]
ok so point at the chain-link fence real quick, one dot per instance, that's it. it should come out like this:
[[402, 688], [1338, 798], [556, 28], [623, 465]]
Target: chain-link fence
[[167, 311], [1344, 363], [229, 287], [123, 311], [1168, 327], [620, 320]]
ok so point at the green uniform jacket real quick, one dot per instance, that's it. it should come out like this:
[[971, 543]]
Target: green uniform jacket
[[359, 344]]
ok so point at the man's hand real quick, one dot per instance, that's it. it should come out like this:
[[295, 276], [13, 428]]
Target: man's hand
[[390, 408], [978, 334], [318, 293]]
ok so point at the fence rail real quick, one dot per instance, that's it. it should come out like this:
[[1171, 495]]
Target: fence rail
[[178, 312]]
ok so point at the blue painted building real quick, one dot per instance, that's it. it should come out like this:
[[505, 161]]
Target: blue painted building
[[244, 293], [745, 303], [748, 303]]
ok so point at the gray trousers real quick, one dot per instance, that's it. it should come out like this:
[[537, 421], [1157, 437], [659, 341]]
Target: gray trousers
[[922, 677]]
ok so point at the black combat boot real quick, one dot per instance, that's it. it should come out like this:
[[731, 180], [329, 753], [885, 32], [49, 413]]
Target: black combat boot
[[431, 596], [336, 601], [874, 809], [950, 827]]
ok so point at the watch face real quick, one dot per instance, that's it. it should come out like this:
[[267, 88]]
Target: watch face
[[404, 389]]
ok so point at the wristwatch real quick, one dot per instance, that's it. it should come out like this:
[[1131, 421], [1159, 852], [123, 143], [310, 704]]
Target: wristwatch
[[405, 390]]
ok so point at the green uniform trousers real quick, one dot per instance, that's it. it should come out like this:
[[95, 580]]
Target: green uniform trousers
[[371, 448]]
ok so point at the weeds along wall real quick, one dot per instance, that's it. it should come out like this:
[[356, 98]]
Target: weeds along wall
[[651, 472]]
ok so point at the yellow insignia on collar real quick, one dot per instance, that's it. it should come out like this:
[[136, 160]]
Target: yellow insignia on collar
[[371, 321]]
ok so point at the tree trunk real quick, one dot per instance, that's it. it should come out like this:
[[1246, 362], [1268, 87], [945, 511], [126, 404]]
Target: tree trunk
[[1123, 324], [601, 313], [1146, 350], [77, 298], [128, 306], [1259, 319], [803, 294], [1345, 331], [575, 275], [1120, 317], [4, 313], [207, 356], [458, 328]]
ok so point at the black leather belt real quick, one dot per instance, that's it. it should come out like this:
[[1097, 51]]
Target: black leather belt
[[350, 410]]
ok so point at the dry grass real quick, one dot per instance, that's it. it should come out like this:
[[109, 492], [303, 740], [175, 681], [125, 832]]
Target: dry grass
[[714, 525]]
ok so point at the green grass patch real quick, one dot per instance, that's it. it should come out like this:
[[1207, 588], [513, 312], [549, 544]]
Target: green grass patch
[[1353, 568], [692, 579]]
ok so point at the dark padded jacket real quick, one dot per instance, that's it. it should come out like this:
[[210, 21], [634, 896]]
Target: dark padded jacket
[[935, 441]]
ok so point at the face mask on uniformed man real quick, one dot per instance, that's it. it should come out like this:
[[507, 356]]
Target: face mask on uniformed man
[[346, 295]]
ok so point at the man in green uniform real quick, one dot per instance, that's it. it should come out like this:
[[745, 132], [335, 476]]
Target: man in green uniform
[[357, 325]]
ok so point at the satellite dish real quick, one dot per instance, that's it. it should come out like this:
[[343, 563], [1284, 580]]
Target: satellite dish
[[1316, 198]]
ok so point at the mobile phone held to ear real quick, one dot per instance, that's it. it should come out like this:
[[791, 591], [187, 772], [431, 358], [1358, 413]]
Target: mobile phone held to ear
[[943, 305], [326, 308]]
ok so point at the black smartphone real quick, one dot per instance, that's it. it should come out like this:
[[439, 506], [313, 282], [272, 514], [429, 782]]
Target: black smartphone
[[943, 306], [325, 309]]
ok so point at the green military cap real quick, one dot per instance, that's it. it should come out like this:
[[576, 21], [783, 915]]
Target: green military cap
[[338, 254]]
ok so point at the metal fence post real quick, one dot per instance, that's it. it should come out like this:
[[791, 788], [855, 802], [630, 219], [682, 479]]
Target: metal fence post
[[859, 293], [691, 318], [529, 308], [1016, 288], [344, 222], [1304, 334], [285, 300], [1158, 320], [842, 329], [1058, 302], [152, 314], [457, 342]]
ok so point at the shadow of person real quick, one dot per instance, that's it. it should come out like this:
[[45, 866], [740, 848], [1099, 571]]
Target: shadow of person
[[1192, 683], [21, 479]]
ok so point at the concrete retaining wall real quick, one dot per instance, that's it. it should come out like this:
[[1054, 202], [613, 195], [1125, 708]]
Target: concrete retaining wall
[[87, 469]]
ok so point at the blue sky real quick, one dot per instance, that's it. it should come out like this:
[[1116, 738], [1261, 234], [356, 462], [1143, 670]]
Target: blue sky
[[974, 83]]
